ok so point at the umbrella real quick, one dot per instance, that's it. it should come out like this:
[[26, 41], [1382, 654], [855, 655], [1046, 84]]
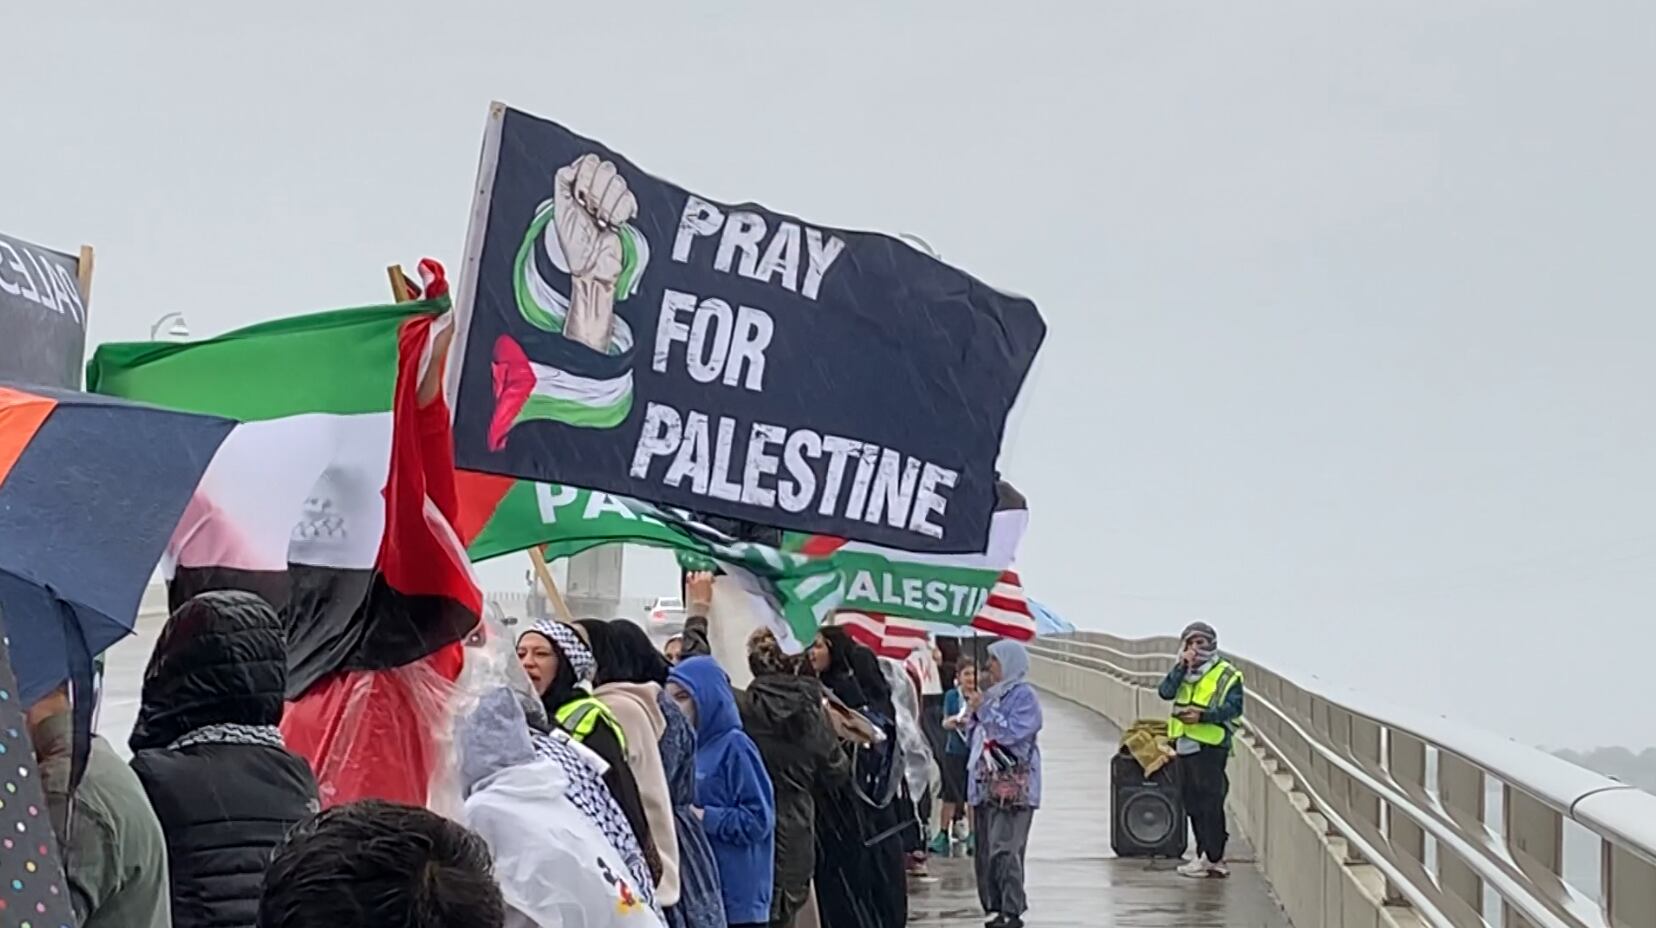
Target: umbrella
[[91, 489], [1048, 622], [32, 891]]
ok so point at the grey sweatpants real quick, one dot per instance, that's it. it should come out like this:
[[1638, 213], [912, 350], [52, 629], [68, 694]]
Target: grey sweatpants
[[1002, 838]]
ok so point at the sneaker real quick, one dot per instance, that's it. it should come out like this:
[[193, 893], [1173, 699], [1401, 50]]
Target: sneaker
[[996, 920], [1197, 869], [940, 844], [1012, 921], [1218, 869]]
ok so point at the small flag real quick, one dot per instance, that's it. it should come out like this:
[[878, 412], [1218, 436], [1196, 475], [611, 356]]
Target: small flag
[[977, 590], [884, 635]]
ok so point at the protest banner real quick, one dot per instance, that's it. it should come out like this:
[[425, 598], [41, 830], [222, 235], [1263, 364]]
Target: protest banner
[[499, 515], [624, 334], [43, 298], [980, 590]]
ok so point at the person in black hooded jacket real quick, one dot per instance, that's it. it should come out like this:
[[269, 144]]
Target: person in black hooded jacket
[[783, 713], [207, 749]]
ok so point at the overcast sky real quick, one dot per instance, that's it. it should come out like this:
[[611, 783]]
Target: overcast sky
[[1351, 307]]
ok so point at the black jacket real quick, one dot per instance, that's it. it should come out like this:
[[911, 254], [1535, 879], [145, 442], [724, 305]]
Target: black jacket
[[226, 802], [784, 717]]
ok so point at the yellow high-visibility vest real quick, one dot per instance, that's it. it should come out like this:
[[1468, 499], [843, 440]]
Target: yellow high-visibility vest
[[1205, 693], [581, 714]]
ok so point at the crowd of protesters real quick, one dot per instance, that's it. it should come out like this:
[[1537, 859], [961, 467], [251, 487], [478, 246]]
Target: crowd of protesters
[[600, 782]]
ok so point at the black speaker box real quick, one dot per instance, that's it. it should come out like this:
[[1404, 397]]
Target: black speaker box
[[1147, 814]]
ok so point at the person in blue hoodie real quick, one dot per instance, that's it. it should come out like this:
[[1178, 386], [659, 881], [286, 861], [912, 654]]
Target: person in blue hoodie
[[738, 806]]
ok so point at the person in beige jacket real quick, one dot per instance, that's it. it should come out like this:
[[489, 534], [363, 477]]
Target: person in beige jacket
[[637, 706]]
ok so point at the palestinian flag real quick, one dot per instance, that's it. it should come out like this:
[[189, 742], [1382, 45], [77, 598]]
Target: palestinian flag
[[332, 497], [977, 590], [500, 515]]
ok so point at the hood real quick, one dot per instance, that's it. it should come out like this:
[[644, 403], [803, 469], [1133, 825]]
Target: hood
[[492, 738], [221, 659], [709, 688], [1014, 661], [642, 695], [536, 782], [786, 706]]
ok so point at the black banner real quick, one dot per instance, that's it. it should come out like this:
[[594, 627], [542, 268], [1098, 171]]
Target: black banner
[[42, 315], [626, 335]]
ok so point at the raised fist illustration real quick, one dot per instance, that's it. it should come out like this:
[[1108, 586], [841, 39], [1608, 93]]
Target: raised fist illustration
[[591, 201]]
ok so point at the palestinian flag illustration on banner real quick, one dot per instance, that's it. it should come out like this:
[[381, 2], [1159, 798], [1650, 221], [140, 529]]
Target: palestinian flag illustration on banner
[[558, 376], [332, 497], [982, 590]]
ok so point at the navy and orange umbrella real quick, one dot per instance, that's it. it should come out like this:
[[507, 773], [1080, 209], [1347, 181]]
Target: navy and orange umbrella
[[91, 489]]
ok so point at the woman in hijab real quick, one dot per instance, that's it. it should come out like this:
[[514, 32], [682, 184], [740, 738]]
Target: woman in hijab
[[860, 879], [559, 663], [629, 671], [782, 712], [1004, 780], [733, 790]]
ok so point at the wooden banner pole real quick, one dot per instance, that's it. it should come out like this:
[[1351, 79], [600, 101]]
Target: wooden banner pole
[[402, 294], [550, 584], [84, 272]]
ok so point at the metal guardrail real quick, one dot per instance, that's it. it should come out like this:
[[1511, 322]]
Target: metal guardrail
[[1410, 795]]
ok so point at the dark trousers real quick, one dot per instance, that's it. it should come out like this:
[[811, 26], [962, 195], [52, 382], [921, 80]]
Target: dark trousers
[[1204, 784], [1002, 841]]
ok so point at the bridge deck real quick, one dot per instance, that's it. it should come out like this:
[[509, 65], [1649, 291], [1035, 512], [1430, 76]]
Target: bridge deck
[[1074, 878]]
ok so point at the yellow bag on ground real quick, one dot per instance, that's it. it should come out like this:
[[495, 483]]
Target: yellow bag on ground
[[1146, 740]]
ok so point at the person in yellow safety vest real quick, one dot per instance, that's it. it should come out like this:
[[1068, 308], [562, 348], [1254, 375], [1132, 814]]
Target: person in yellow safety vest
[[1206, 692], [560, 666]]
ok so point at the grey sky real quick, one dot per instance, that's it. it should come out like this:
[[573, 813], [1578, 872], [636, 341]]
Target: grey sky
[[1351, 319]]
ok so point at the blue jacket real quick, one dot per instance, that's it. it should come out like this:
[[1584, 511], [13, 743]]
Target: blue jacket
[[734, 792]]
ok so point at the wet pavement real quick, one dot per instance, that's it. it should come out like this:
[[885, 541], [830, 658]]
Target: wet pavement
[[1073, 877]]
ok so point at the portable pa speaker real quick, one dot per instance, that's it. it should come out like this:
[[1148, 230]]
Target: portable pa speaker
[[1147, 813]]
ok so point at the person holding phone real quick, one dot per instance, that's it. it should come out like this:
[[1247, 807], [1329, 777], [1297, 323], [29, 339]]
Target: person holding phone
[[1206, 692]]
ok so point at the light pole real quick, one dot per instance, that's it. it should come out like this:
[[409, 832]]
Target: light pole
[[179, 328]]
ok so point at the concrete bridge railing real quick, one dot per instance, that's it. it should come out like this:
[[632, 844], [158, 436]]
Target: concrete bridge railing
[[1367, 815]]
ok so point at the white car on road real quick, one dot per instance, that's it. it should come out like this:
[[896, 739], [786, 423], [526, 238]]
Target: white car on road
[[666, 612]]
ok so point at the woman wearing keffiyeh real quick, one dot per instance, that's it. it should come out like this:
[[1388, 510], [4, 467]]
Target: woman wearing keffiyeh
[[560, 666]]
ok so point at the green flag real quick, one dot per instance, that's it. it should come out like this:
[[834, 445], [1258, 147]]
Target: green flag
[[516, 515]]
